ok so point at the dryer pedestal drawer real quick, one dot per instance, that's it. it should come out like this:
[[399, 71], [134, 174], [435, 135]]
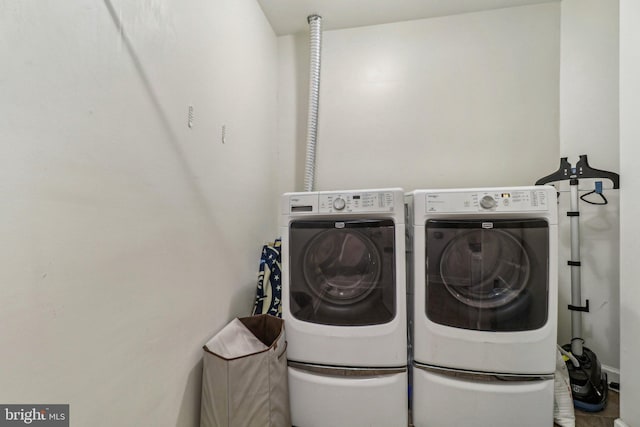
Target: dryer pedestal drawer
[[348, 401]]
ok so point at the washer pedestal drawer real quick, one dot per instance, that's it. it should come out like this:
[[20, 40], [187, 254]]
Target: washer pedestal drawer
[[443, 400]]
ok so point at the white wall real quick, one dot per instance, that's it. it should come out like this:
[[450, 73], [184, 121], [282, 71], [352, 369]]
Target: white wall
[[589, 125], [464, 100], [629, 208], [128, 238]]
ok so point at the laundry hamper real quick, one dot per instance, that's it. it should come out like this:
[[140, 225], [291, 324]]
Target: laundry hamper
[[244, 380]]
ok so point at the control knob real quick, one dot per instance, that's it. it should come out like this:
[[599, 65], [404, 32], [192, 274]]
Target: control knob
[[488, 202], [339, 203]]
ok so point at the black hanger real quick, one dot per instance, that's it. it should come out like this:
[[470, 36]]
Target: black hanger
[[582, 170]]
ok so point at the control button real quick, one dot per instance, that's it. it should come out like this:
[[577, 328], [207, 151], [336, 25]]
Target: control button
[[339, 203], [488, 202]]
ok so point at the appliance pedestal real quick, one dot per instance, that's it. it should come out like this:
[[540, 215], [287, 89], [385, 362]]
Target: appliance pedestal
[[319, 400], [443, 400]]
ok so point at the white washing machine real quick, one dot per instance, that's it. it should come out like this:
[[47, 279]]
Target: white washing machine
[[344, 306], [485, 304]]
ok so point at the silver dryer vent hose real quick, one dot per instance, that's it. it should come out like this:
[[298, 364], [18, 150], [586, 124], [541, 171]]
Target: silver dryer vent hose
[[315, 44]]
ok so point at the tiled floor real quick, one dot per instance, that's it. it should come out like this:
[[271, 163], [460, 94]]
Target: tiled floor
[[604, 418]]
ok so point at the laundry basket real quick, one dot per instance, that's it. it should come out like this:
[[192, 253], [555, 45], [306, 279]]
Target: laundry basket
[[244, 380]]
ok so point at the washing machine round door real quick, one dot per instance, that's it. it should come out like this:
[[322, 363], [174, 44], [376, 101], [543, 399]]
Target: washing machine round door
[[485, 268], [341, 266]]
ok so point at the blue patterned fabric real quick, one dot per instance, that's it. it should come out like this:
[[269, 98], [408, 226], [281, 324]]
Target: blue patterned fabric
[[269, 292]]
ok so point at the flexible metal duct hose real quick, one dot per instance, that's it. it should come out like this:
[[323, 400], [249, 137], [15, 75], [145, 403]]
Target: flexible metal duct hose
[[315, 43]]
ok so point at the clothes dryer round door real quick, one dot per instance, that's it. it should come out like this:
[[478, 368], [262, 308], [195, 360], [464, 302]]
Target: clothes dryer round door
[[342, 272], [487, 275]]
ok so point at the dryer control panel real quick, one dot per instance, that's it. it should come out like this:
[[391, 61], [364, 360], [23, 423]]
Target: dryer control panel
[[487, 201], [347, 202], [356, 202]]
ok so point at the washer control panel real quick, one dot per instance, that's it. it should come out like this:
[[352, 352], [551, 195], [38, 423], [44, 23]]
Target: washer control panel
[[488, 201]]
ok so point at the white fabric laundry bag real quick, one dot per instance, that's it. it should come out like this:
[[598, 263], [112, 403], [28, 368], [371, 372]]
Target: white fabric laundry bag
[[244, 379], [563, 413]]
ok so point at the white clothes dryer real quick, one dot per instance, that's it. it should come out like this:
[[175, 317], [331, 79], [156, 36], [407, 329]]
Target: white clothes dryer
[[344, 306], [484, 270]]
